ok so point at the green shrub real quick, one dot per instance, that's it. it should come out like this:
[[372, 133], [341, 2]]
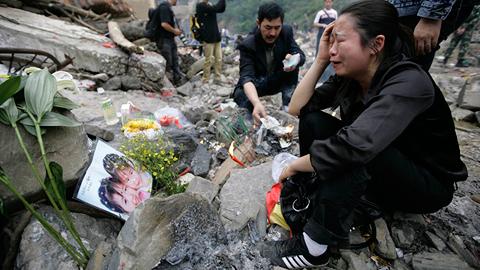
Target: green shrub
[[156, 157]]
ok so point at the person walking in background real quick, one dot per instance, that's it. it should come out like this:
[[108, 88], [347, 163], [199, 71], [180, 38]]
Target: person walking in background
[[322, 19], [462, 37], [166, 38], [207, 14], [262, 56]]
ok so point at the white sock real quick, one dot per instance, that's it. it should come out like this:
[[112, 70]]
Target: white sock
[[314, 248]]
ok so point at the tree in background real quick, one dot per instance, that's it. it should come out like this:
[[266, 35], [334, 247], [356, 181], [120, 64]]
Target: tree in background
[[238, 16]]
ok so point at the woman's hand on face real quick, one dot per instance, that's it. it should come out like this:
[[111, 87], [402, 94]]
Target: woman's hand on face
[[325, 42], [287, 172]]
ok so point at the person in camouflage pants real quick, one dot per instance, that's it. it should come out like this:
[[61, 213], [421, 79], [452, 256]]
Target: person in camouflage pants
[[462, 36]]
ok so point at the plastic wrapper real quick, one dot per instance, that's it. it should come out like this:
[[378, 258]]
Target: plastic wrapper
[[281, 161], [171, 116]]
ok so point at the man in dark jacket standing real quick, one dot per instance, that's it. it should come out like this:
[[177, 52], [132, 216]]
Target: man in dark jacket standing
[[166, 37], [207, 14], [262, 57]]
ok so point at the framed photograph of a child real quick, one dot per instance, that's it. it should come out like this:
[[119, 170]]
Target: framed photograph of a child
[[113, 182]]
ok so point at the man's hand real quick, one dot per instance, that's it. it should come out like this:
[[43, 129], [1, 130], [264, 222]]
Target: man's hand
[[258, 112], [177, 32], [426, 35]]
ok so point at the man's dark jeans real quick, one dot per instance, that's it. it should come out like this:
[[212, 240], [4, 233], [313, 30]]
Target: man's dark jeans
[[168, 49], [391, 180], [265, 86]]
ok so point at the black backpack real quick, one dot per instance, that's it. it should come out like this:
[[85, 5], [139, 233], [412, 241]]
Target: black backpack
[[152, 25]]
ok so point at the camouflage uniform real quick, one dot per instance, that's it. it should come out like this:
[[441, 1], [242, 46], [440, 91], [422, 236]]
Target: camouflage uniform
[[470, 25]]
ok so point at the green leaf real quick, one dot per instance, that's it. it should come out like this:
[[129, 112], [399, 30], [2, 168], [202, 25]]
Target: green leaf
[[8, 88], [29, 127], [53, 119], [57, 172], [39, 91], [9, 111], [64, 103], [4, 118]]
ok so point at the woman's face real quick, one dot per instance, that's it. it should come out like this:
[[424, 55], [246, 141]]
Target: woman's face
[[126, 197], [347, 54], [130, 177]]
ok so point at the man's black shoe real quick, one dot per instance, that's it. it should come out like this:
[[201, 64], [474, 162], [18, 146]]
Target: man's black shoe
[[292, 254]]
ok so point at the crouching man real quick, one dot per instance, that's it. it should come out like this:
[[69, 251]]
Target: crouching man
[[269, 61]]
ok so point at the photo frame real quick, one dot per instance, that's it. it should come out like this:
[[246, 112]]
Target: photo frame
[[113, 183]]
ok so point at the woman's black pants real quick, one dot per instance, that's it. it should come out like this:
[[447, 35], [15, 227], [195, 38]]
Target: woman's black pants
[[391, 180]]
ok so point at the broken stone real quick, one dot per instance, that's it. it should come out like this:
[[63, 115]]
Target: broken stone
[[438, 261], [80, 43], [193, 110], [457, 245], [13, 3], [415, 218], [223, 172], [102, 77], [183, 144], [160, 225], [185, 89], [209, 115], [68, 146], [186, 179], [399, 265], [101, 256], [355, 262], [224, 91], [196, 67], [403, 237], [201, 161], [436, 241], [222, 154], [38, 250], [460, 114], [204, 188], [470, 96], [114, 83], [385, 246], [99, 129], [244, 194], [131, 83]]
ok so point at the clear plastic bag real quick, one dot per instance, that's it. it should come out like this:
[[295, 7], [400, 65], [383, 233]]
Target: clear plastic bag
[[171, 116], [280, 161]]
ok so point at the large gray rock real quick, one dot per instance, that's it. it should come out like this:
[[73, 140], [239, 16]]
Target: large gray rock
[[38, 250], [22, 29], [357, 261], [203, 187], [469, 97], [243, 195], [167, 229], [385, 246], [66, 146], [438, 261]]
